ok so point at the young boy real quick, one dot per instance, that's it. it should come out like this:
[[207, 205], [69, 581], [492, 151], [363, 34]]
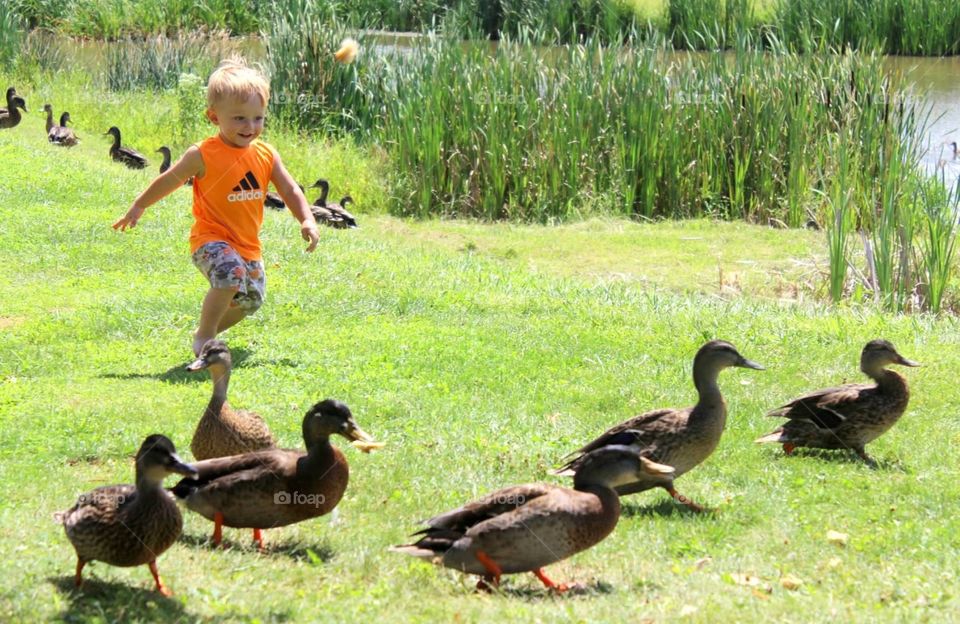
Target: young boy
[[230, 171]]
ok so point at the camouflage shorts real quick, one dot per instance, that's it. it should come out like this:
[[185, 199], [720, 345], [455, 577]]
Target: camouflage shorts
[[225, 268]]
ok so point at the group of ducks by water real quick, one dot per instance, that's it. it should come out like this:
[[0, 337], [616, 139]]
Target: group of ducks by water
[[324, 211], [240, 478]]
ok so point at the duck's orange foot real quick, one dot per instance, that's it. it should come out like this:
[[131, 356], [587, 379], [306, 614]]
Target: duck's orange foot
[[163, 589], [486, 583], [490, 580], [789, 448], [78, 579], [258, 539], [556, 587], [680, 498], [217, 528]]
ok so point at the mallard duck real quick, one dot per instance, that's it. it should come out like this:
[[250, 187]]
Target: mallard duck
[[526, 527], [678, 437], [164, 152], [277, 487], [223, 431], [10, 116], [848, 416], [332, 214], [129, 525], [128, 156], [61, 134], [48, 109]]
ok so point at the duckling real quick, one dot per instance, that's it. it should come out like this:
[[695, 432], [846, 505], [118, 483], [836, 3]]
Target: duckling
[[277, 487], [61, 134], [222, 431], [10, 116], [682, 438], [165, 153], [332, 214], [126, 155], [848, 416], [129, 525], [526, 527]]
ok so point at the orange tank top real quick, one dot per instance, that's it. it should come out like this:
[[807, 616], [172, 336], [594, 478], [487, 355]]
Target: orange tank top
[[228, 199]]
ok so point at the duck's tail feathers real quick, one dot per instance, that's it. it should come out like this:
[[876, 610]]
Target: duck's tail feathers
[[415, 551], [773, 437]]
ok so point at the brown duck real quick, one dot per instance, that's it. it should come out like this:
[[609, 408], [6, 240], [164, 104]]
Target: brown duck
[[332, 214], [848, 416], [678, 437], [277, 487], [126, 155], [129, 525], [10, 116], [59, 134], [527, 527], [223, 431]]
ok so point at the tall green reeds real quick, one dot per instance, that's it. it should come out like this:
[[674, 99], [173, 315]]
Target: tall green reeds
[[12, 28], [157, 63]]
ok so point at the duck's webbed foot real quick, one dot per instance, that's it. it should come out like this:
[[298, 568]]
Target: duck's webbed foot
[[862, 454], [680, 498], [490, 580], [557, 587]]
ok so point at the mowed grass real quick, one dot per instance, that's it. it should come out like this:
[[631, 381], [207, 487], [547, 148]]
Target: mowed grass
[[480, 355]]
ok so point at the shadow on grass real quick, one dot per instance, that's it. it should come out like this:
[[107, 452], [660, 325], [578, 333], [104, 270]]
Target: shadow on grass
[[296, 551], [842, 456], [534, 593], [666, 508], [180, 375], [117, 602]]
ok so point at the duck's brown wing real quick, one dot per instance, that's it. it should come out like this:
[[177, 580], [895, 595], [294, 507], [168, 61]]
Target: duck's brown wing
[[341, 215], [825, 408], [101, 504], [640, 431], [490, 506], [226, 471], [132, 158]]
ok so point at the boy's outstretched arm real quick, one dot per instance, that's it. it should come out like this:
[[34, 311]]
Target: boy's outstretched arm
[[189, 165], [295, 201]]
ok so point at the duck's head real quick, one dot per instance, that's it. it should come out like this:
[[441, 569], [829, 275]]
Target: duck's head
[[346, 199], [329, 417], [158, 458], [64, 118], [214, 353], [616, 465], [321, 184], [879, 353], [163, 149], [20, 103], [48, 109], [114, 132], [11, 91], [719, 354]]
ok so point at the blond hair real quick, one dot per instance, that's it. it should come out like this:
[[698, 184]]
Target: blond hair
[[233, 79]]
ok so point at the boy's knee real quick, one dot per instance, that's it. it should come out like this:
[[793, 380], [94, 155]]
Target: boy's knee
[[248, 302]]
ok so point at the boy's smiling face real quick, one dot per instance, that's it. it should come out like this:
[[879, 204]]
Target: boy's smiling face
[[240, 121]]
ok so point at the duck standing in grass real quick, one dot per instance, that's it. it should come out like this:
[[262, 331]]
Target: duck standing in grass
[[329, 213], [679, 437], [223, 431], [129, 525], [60, 134], [126, 155], [165, 155], [526, 527], [848, 416], [277, 487], [10, 116]]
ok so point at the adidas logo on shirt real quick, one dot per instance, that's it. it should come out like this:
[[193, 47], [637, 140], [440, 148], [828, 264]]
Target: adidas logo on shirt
[[247, 189]]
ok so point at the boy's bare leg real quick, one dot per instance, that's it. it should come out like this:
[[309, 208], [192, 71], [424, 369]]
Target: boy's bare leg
[[230, 318], [216, 305]]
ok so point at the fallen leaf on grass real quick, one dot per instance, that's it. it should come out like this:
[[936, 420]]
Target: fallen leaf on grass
[[751, 581], [791, 583], [837, 538]]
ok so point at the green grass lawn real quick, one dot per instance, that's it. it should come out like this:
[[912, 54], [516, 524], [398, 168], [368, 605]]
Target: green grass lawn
[[480, 354]]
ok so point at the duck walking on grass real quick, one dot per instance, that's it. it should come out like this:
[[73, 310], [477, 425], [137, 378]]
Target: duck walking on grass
[[126, 155], [222, 431], [329, 213], [164, 152], [682, 438], [59, 134], [277, 487], [10, 116], [848, 416], [527, 527], [129, 525]]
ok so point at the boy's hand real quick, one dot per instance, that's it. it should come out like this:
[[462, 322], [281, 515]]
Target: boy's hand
[[310, 234], [130, 219]]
